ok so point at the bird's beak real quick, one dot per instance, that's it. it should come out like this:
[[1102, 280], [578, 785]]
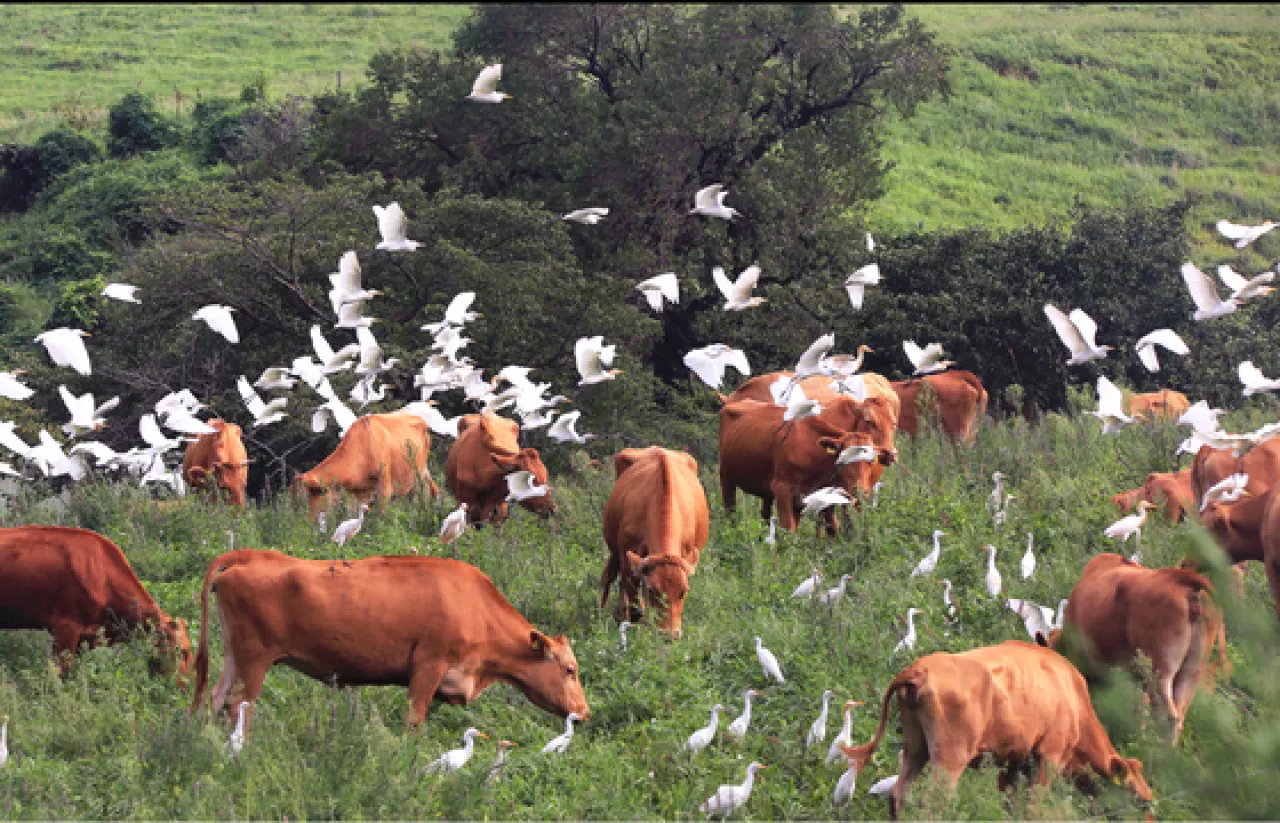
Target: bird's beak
[[482, 734]]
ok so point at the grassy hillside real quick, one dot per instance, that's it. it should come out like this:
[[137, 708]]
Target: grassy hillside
[[111, 742]]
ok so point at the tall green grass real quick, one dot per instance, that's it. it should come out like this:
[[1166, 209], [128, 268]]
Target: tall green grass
[[111, 742]]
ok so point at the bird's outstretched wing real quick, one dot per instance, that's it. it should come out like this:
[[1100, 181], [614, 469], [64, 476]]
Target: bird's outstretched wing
[[487, 80], [1067, 331], [1201, 287]]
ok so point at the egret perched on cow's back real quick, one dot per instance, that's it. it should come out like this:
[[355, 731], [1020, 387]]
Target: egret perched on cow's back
[[1078, 333], [66, 348], [557, 745], [702, 738], [453, 760], [737, 293], [218, 318], [709, 201], [845, 737], [811, 362], [729, 798], [930, 560], [738, 728], [993, 574], [768, 662], [485, 87], [1029, 559], [658, 288], [818, 731]]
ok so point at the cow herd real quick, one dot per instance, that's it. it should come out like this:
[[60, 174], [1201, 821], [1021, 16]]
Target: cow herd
[[440, 628]]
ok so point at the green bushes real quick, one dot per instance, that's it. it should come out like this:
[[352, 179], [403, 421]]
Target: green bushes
[[134, 126]]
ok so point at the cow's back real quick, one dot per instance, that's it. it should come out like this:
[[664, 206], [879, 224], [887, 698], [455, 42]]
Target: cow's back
[[1211, 466], [469, 468], [658, 504]]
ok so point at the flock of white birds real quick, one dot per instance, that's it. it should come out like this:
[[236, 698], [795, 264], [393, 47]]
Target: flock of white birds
[[445, 370]]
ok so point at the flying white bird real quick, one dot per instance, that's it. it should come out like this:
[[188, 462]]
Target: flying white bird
[[66, 348], [1227, 490], [53, 461], [930, 560], [1244, 235], [833, 596], [809, 586], [564, 430], [1110, 407], [13, 388], [846, 732], [393, 225], [263, 413], [729, 798], [1200, 417], [659, 288], [457, 313], [335, 410], [1205, 295], [993, 574], [557, 745], [351, 316], [908, 641], [588, 216], [818, 731], [218, 317], [84, 415], [523, 486], [1077, 331], [1029, 559], [184, 422], [1168, 338], [452, 761], [485, 87], [710, 201], [122, 292], [11, 441], [1242, 288], [1253, 380], [737, 293], [592, 358], [927, 360], [236, 742], [710, 362], [1035, 618], [347, 287], [812, 361], [1127, 527], [435, 421], [856, 283], [151, 435], [824, 498], [275, 378], [738, 728], [454, 525], [799, 405], [702, 738], [768, 662]]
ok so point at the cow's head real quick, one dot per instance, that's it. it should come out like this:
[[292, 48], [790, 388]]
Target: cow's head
[[1128, 771], [229, 465], [550, 680], [173, 647], [313, 492], [1238, 526], [856, 475], [1125, 501], [530, 461], [666, 584]]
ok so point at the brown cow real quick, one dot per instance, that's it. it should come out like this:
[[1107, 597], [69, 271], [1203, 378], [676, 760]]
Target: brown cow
[[1211, 466], [1165, 404], [655, 523], [1172, 489], [1120, 608], [438, 626], [818, 387], [383, 455], [1249, 529], [1017, 700], [486, 451], [221, 454], [957, 401], [75, 583], [785, 461]]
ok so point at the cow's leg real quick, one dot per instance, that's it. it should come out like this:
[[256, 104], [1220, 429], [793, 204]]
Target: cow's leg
[[728, 494], [786, 507], [428, 672], [1273, 576], [221, 695], [66, 641], [766, 507]]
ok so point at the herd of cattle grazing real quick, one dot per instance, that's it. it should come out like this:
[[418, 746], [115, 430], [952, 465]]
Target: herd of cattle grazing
[[442, 629]]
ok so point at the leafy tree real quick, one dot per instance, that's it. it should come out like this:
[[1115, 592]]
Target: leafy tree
[[63, 149], [134, 126]]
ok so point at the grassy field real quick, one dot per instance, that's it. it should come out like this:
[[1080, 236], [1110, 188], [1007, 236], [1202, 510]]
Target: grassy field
[[111, 742]]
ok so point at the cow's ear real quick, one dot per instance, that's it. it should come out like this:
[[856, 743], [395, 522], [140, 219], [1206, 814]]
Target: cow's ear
[[1041, 641], [830, 445], [636, 562], [506, 462], [538, 641]]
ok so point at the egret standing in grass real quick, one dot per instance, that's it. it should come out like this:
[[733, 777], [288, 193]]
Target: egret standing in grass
[[452, 761], [833, 596], [809, 586], [1029, 559], [930, 560], [495, 771], [454, 525], [738, 728], [557, 745], [908, 641], [846, 732], [729, 798], [993, 574], [702, 738], [1130, 526], [818, 731]]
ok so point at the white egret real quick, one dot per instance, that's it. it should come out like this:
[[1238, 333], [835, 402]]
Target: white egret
[[658, 288], [122, 292], [772, 537], [946, 598], [347, 286], [156, 441], [1077, 331], [864, 453], [485, 87], [833, 596], [875, 493], [845, 785], [66, 348], [1168, 338], [729, 798], [1243, 288], [183, 422], [996, 498], [1062, 608], [263, 413], [435, 421], [993, 574], [236, 742], [908, 641], [4, 742], [1205, 295], [799, 405], [557, 745], [738, 728], [456, 313], [737, 293], [9, 470], [218, 318], [348, 529], [927, 360], [809, 586], [768, 662], [454, 525], [496, 769], [11, 441], [1003, 515], [1110, 407], [334, 409], [84, 415], [883, 787], [930, 560], [818, 731], [351, 316], [1227, 490], [593, 357], [1200, 417], [824, 498], [1029, 559], [709, 201], [12, 388], [855, 284], [522, 485], [871, 244], [709, 363], [702, 738], [1254, 381], [622, 633], [275, 378], [564, 429], [845, 365], [845, 737], [588, 216], [1127, 527], [393, 225], [811, 362], [1244, 235], [452, 761]]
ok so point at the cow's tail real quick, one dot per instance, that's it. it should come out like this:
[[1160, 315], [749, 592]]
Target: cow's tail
[[220, 564], [1197, 586], [906, 685]]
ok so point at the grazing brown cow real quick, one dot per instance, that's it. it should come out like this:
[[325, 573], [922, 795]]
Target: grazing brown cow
[[438, 626], [786, 460], [222, 455], [1172, 489], [655, 523], [1120, 608], [382, 455], [1017, 700], [1211, 466], [819, 388], [74, 583], [957, 401], [486, 451], [1165, 404], [1249, 529]]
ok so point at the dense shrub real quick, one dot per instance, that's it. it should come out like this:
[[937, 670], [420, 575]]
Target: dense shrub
[[135, 126]]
